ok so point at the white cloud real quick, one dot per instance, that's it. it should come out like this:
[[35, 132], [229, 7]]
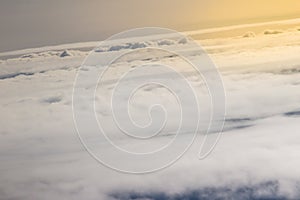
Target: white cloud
[[42, 158]]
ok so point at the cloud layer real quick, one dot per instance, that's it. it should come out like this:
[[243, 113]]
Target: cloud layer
[[257, 157]]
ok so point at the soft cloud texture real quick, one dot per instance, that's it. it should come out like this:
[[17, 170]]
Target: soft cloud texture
[[257, 157]]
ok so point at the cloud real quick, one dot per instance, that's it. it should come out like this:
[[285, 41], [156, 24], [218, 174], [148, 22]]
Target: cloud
[[13, 75], [257, 156], [272, 32], [265, 190], [53, 99], [249, 34]]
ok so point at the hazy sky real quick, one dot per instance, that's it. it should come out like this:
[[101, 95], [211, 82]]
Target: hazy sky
[[34, 23]]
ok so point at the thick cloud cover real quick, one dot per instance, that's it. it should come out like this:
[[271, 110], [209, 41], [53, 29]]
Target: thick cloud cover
[[257, 157]]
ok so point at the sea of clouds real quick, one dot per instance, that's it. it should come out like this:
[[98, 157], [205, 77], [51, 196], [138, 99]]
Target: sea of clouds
[[257, 156]]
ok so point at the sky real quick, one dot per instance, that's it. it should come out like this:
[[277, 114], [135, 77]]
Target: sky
[[41, 154], [36, 23]]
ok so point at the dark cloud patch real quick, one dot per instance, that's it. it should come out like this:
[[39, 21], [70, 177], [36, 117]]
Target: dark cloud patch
[[65, 53], [272, 32], [263, 191], [236, 120], [237, 127], [294, 70], [238, 123], [52, 99], [293, 113], [13, 75]]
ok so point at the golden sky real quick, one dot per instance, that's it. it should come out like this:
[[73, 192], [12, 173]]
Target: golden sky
[[34, 23], [253, 9]]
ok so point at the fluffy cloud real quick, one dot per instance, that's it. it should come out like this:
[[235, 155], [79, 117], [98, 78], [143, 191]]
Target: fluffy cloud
[[257, 156]]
